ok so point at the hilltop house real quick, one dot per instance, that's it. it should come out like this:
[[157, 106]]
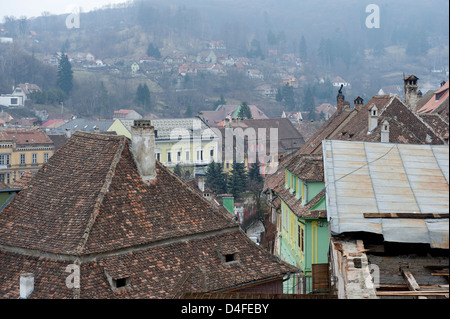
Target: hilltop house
[[266, 90], [19, 95], [255, 74], [121, 225]]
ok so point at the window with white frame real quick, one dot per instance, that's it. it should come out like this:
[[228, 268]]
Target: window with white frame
[[187, 156], [22, 159], [5, 178], [199, 155], [169, 156], [5, 159], [46, 157], [34, 158]]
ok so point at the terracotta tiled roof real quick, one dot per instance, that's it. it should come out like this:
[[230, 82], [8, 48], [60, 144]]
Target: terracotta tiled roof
[[24, 180], [102, 213], [436, 122], [276, 184], [443, 110], [305, 167], [352, 125], [314, 143], [28, 88], [53, 123], [439, 97], [25, 136]]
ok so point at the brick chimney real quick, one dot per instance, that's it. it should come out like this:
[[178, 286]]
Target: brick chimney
[[410, 89], [340, 101], [143, 148], [359, 103]]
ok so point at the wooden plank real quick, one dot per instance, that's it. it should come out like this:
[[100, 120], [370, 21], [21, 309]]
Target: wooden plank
[[440, 274], [320, 277], [412, 293], [402, 287], [410, 281], [405, 215]]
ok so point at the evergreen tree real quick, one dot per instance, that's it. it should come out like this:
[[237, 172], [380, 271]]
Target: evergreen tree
[[279, 96], [153, 51], [244, 111], [254, 173], [64, 79], [143, 96], [288, 96], [221, 186], [215, 178], [255, 182], [309, 103], [237, 181], [104, 100]]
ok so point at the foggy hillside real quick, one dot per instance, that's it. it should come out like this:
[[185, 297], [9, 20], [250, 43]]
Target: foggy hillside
[[412, 38]]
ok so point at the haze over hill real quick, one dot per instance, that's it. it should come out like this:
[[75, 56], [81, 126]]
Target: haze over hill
[[332, 37]]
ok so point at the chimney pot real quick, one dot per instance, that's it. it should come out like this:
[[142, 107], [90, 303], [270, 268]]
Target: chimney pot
[[26, 285], [143, 148], [340, 101], [359, 103], [385, 132], [373, 118]]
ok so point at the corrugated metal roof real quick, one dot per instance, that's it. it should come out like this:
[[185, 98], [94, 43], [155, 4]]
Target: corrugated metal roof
[[367, 177]]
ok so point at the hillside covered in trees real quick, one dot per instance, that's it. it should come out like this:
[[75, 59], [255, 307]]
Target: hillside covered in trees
[[325, 39]]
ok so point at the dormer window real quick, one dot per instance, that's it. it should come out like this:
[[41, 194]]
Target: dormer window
[[121, 282], [230, 257]]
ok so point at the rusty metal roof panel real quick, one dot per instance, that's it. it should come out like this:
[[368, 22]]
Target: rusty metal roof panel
[[438, 230], [401, 230], [367, 177]]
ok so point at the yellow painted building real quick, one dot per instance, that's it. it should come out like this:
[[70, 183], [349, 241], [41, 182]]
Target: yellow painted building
[[188, 141], [23, 150]]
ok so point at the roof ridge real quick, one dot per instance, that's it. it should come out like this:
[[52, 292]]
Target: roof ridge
[[98, 202], [96, 136], [389, 103]]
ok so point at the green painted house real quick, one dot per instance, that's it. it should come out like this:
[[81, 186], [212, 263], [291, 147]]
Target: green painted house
[[302, 227]]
